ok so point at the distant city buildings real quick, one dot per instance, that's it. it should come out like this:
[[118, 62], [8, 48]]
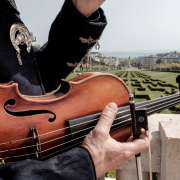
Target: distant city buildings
[[151, 62]]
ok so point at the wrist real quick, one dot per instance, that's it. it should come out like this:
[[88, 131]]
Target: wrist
[[98, 160], [80, 8]]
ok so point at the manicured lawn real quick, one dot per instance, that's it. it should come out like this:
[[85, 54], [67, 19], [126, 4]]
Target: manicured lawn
[[165, 76]]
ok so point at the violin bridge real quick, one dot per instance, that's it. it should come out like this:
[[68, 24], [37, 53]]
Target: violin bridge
[[36, 143]]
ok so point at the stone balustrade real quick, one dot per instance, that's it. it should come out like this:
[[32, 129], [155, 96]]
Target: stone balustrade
[[164, 132]]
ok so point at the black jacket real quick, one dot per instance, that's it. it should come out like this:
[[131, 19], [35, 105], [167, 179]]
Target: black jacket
[[43, 70], [72, 165]]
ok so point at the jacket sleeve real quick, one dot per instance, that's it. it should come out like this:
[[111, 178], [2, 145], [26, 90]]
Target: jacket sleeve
[[71, 36], [74, 164], [9, 5]]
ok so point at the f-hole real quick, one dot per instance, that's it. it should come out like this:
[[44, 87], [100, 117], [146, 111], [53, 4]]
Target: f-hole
[[12, 102]]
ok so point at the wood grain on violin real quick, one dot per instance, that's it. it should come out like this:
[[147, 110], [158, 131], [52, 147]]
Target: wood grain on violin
[[38, 127]]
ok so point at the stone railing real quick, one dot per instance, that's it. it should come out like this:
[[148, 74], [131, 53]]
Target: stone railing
[[164, 132]]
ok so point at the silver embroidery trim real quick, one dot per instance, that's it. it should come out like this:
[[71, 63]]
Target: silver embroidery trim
[[20, 35], [88, 41]]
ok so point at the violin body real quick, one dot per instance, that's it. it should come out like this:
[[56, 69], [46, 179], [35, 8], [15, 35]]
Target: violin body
[[38, 127]]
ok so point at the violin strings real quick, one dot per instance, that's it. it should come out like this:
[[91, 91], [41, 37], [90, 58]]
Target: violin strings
[[93, 120], [54, 146], [62, 129], [119, 112], [82, 130], [31, 154], [30, 138], [55, 139], [62, 150], [62, 144], [96, 119], [62, 137], [49, 149], [157, 109], [57, 152], [65, 136]]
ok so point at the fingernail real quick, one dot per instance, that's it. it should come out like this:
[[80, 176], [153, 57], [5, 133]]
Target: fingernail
[[112, 105]]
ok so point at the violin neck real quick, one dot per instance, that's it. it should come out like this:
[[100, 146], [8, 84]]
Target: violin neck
[[123, 118], [159, 104]]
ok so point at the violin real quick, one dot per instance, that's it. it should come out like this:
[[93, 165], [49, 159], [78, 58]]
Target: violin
[[43, 126]]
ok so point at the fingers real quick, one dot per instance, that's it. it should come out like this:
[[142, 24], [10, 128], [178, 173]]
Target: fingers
[[107, 117], [143, 133], [130, 139], [137, 146]]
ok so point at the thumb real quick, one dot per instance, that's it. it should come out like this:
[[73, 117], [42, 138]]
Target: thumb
[[107, 117]]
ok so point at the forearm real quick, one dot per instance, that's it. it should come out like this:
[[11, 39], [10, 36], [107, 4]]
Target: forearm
[[9, 6]]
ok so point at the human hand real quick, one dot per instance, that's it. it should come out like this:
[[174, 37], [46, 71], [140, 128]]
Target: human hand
[[107, 153], [87, 7]]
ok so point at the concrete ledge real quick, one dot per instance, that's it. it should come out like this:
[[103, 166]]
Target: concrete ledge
[[170, 148], [164, 130]]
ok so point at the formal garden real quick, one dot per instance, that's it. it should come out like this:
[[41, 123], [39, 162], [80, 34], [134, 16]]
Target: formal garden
[[148, 85], [144, 87]]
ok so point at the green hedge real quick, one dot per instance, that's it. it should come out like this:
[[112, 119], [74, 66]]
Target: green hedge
[[135, 84], [156, 88], [142, 96], [141, 89], [167, 85]]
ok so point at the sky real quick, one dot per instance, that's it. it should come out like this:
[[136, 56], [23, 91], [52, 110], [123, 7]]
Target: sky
[[133, 25]]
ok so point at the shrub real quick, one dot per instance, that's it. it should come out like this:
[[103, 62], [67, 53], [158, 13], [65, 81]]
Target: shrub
[[164, 84], [142, 96], [155, 88], [141, 89]]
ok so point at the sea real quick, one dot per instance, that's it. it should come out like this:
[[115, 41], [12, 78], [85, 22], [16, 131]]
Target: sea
[[133, 54]]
